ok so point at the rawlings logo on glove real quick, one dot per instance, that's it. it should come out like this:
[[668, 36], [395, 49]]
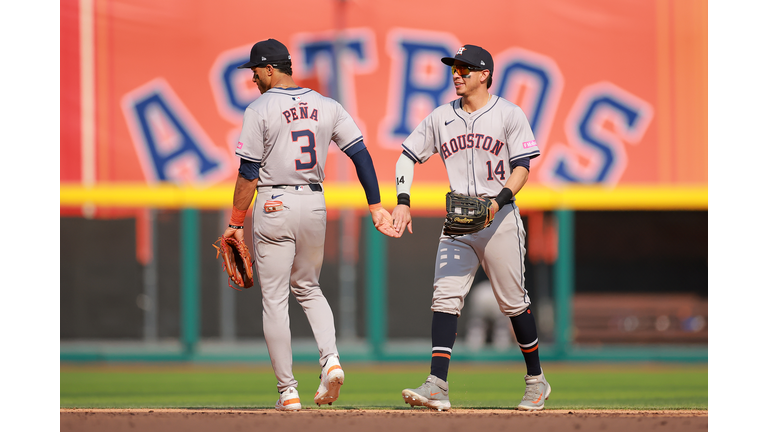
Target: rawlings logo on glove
[[466, 214], [237, 261]]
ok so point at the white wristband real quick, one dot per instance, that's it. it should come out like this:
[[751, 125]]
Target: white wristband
[[404, 174]]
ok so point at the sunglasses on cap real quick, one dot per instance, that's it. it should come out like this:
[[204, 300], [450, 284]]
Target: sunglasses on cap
[[464, 70]]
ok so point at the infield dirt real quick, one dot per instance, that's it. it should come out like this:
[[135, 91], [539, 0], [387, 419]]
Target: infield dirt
[[348, 420]]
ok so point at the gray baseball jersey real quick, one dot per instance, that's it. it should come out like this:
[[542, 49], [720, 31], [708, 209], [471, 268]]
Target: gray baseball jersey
[[477, 150], [288, 132]]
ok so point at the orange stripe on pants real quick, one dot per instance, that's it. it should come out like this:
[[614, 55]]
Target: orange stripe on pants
[[448, 356]]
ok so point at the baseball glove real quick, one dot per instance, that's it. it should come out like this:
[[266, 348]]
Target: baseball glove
[[466, 214], [237, 261]]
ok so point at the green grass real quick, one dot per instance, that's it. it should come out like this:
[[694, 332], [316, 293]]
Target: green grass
[[607, 386]]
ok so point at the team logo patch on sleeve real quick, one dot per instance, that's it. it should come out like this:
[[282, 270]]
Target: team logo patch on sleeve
[[529, 144]]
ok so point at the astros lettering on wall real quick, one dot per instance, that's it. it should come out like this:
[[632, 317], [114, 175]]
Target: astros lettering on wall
[[607, 104]]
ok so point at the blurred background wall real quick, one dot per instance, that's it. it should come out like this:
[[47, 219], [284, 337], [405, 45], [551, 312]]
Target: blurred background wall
[[615, 208]]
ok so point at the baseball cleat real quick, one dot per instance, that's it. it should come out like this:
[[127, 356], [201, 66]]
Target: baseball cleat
[[331, 380], [537, 390], [289, 400], [432, 394]]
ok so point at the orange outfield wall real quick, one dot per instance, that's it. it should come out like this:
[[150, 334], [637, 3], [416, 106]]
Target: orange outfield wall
[[615, 90]]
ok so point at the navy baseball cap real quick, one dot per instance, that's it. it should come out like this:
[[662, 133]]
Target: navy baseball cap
[[266, 52], [472, 55]]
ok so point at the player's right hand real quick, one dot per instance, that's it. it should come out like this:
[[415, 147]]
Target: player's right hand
[[402, 219], [231, 232], [382, 220]]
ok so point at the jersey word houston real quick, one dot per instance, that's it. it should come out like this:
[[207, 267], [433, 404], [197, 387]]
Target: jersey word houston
[[476, 148], [288, 132]]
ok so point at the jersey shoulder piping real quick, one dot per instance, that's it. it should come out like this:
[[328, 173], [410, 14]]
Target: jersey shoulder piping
[[250, 159], [290, 91], [533, 154], [456, 104], [411, 155], [484, 113], [351, 143]]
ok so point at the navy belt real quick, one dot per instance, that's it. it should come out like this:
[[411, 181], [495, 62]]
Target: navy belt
[[314, 187]]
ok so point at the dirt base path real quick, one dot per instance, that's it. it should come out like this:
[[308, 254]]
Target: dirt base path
[[348, 420]]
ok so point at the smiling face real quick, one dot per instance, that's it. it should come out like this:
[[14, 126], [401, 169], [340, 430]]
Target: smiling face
[[466, 85]]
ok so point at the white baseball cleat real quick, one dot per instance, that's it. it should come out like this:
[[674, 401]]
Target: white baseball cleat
[[432, 394], [537, 390], [289, 400], [331, 380]]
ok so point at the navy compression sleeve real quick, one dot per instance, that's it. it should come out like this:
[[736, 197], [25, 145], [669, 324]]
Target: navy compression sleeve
[[523, 162], [366, 173], [248, 169]]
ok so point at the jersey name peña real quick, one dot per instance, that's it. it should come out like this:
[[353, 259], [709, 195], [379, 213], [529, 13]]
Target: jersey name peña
[[302, 113]]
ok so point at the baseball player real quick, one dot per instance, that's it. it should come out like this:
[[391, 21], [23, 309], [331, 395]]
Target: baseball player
[[283, 147], [484, 318], [486, 145]]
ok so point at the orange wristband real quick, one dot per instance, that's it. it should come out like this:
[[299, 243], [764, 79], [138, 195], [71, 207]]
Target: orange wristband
[[238, 216]]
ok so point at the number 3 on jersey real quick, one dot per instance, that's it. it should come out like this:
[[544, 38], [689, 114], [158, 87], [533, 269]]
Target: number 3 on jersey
[[309, 148], [499, 171]]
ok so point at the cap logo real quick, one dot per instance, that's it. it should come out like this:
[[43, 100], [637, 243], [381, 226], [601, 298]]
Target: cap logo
[[482, 63], [263, 58], [460, 51]]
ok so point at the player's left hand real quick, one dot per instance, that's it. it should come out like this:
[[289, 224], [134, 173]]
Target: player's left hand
[[237, 261], [382, 220]]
